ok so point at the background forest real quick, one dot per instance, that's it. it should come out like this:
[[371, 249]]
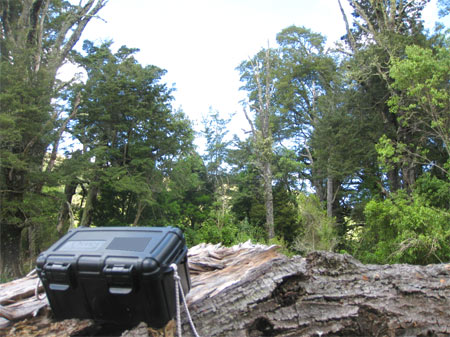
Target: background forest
[[347, 149]]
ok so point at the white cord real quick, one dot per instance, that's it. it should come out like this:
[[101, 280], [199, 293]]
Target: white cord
[[36, 291], [31, 272], [178, 290]]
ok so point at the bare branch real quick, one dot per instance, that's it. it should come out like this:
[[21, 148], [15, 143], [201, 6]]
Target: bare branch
[[61, 129], [351, 38], [40, 33], [370, 30], [250, 122]]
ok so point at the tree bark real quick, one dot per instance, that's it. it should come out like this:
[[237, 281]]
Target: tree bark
[[65, 212], [87, 211], [324, 294], [268, 200], [253, 290], [350, 36], [10, 235], [330, 196], [140, 209]]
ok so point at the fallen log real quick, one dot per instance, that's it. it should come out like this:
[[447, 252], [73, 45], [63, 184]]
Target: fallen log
[[19, 289], [324, 294], [18, 301], [253, 290]]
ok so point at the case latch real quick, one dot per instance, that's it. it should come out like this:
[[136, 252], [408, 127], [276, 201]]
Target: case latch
[[120, 278], [59, 276]]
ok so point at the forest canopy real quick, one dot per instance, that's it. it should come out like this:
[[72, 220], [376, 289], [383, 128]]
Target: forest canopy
[[348, 148]]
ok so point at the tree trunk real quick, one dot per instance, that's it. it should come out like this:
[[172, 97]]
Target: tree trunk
[[69, 191], [262, 135], [330, 196], [10, 236], [394, 180], [268, 200], [32, 232], [12, 221], [87, 211], [252, 290], [140, 209]]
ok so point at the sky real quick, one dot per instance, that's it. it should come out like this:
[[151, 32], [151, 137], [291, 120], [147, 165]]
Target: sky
[[201, 42]]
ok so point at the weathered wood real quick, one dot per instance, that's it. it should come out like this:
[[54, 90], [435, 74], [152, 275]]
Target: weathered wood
[[18, 301], [18, 289], [253, 290], [44, 326], [324, 294]]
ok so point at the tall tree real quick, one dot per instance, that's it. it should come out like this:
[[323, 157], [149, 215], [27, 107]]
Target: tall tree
[[380, 32], [306, 75], [258, 75], [215, 133], [130, 135], [37, 37], [216, 152]]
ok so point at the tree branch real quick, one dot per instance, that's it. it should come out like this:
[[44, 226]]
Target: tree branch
[[250, 122], [351, 38], [61, 129]]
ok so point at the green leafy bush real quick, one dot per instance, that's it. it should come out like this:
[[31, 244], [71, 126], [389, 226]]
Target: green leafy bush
[[224, 229], [317, 229], [405, 229]]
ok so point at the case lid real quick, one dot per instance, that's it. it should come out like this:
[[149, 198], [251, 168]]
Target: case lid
[[116, 250]]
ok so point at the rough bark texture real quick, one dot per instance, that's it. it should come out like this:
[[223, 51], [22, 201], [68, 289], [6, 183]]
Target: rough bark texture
[[330, 196], [251, 290], [268, 200], [324, 294]]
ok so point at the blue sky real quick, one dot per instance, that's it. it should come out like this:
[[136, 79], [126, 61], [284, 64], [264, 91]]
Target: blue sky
[[201, 42]]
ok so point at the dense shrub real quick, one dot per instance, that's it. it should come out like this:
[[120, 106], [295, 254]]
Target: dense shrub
[[405, 229]]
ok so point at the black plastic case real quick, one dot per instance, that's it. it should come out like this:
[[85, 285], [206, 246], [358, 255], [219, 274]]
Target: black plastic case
[[115, 274]]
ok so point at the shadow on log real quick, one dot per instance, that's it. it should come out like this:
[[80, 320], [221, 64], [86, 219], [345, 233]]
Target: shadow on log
[[252, 290]]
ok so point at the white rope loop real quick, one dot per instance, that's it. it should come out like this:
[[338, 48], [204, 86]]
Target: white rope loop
[[38, 283], [178, 291]]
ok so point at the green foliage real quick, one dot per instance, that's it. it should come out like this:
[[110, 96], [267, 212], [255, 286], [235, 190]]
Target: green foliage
[[424, 105], [436, 191], [189, 192], [224, 229], [217, 146], [444, 7], [211, 233], [246, 197], [405, 229], [284, 247], [319, 117], [351, 238], [393, 154], [318, 231], [287, 226], [36, 40], [136, 149]]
